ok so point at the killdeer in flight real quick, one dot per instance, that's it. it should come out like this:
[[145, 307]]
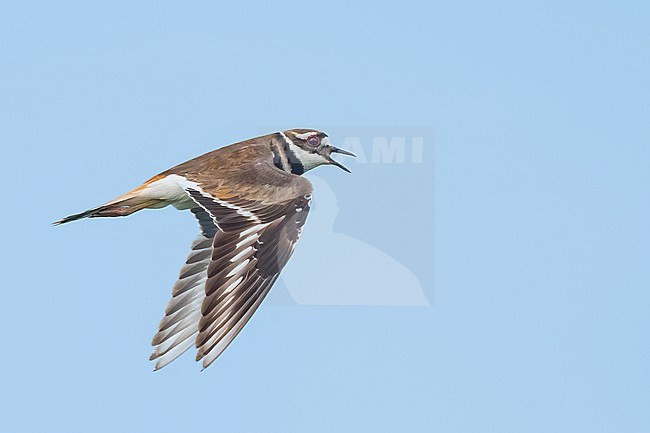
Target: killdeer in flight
[[251, 203]]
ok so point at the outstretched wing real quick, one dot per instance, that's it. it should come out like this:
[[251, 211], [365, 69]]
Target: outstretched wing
[[179, 328], [250, 224], [259, 225]]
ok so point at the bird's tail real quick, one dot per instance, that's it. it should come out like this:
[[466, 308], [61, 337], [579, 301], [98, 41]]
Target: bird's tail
[[115, 208], [124, 205]]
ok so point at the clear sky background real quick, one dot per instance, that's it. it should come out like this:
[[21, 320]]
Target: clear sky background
[[526, 222]]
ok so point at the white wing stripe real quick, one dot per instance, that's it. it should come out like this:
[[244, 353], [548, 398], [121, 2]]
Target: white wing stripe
[[187, 184], [179, 327], [242, 253]]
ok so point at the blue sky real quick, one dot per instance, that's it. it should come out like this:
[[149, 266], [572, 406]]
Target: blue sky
[[525, 223]]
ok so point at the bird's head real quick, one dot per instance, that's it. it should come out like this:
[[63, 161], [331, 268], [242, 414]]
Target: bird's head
[[313, 148]]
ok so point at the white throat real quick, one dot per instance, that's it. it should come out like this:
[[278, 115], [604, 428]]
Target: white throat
[[307, 159]]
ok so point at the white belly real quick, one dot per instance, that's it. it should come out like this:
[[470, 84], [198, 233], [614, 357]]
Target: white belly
[[169, 190]]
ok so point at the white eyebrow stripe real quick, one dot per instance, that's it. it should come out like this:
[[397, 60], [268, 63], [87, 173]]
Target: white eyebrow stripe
[[306, 135]]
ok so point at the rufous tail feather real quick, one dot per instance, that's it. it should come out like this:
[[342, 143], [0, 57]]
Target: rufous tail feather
[[117, 208]]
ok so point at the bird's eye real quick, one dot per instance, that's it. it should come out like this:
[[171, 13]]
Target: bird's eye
[[313, 141]]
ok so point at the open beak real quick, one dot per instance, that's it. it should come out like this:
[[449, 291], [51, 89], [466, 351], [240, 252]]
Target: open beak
[[342, 152]]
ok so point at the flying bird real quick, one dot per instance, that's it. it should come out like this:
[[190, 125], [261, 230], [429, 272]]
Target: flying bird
[[251, 203]]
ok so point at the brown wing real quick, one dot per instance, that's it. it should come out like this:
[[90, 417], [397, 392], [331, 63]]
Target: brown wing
[[179, 328], [259, 224]]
